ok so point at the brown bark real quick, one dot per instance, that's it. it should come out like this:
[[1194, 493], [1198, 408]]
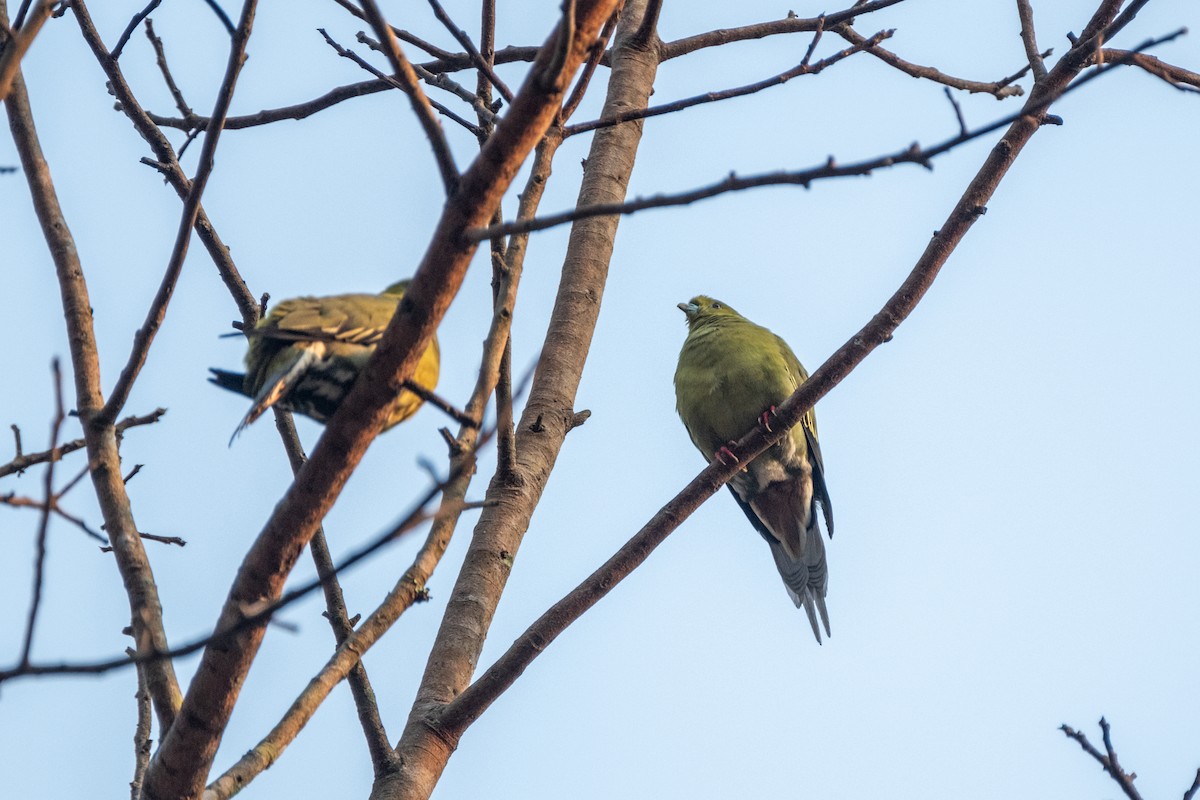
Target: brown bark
[[426, 745], [186, 754]]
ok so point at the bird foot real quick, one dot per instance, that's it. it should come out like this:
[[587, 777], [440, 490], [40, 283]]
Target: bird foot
[[726, 456], [765, 419]]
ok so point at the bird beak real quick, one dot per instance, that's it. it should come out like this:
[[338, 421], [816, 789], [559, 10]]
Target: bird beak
[[690, 309]]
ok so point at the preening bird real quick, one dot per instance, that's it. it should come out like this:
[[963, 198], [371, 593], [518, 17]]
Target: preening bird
[[306, 353], [732, 373]]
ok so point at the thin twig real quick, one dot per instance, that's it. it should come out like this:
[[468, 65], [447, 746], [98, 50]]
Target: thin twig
[[23, 462], [1191, 792], [454, 62], [168, 164], [441, 403], [589, 69], [648, 28], [812, 46], [476, 58], [254, 616], [1109, 761], [1176, 77], [160, 56], [16, 47], [420, 103], [39, 564], [441, 80], [761, 30], [998, 89], [141, 734], [221, 15], [405, 36], [1029, 40], [803, 68], [958, 113], [132, 26], [831, 169], [187, 220], [389, 80]]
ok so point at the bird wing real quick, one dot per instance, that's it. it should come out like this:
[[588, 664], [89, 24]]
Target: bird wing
[[349, 318], [820, 491]]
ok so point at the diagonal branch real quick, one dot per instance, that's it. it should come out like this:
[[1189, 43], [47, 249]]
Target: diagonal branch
[[187, 220], [420, 103], [803, 68], [167, 164], [378, 744], [549, 415], [26, 460], [103, 457], [1029, 40], [16, 46], [832, 169], [183, 759], [998, 89], [39, 567], [472, 52], [1122, 778]]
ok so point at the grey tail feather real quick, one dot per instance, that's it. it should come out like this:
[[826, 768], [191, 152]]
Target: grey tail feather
[[806, 579]]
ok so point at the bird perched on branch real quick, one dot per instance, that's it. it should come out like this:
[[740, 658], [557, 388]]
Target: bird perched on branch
[[731, 374], [307, 352]]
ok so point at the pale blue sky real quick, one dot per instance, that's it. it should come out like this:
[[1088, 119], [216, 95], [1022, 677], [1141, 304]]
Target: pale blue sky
[[1013, 476]]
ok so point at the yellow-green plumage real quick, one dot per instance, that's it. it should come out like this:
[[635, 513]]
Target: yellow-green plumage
[[731, 372], [307, 352]]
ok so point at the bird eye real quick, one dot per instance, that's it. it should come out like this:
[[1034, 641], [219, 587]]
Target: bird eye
[[717, 305]]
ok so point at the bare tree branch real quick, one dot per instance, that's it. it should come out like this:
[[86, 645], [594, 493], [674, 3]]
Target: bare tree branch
[[476, 58], [27, 460], [16, 46], [412, 87], [761, 30], [548, 416], [405, 36], [378, 744], [123, 39], [998, 89], [1177, 77], [103, 457], [1109, 761], [733, 183], [187, 221], [189, 746], [141, 734], [803, 68], [1029, 40], [39, 564]]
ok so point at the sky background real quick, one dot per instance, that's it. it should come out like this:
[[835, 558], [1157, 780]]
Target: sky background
[[1013, 477]]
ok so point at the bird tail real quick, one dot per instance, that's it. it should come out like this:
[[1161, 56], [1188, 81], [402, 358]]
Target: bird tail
[[233, 381], [806, 578]]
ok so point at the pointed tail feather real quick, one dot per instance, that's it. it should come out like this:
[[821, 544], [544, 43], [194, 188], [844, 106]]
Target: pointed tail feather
[[806, 579]]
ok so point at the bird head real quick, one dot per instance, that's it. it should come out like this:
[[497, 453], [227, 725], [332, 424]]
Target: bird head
[[398, 288], [701, 309]]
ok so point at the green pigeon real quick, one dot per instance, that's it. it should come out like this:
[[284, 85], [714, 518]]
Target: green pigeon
[[307, 352], [731, 375]]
